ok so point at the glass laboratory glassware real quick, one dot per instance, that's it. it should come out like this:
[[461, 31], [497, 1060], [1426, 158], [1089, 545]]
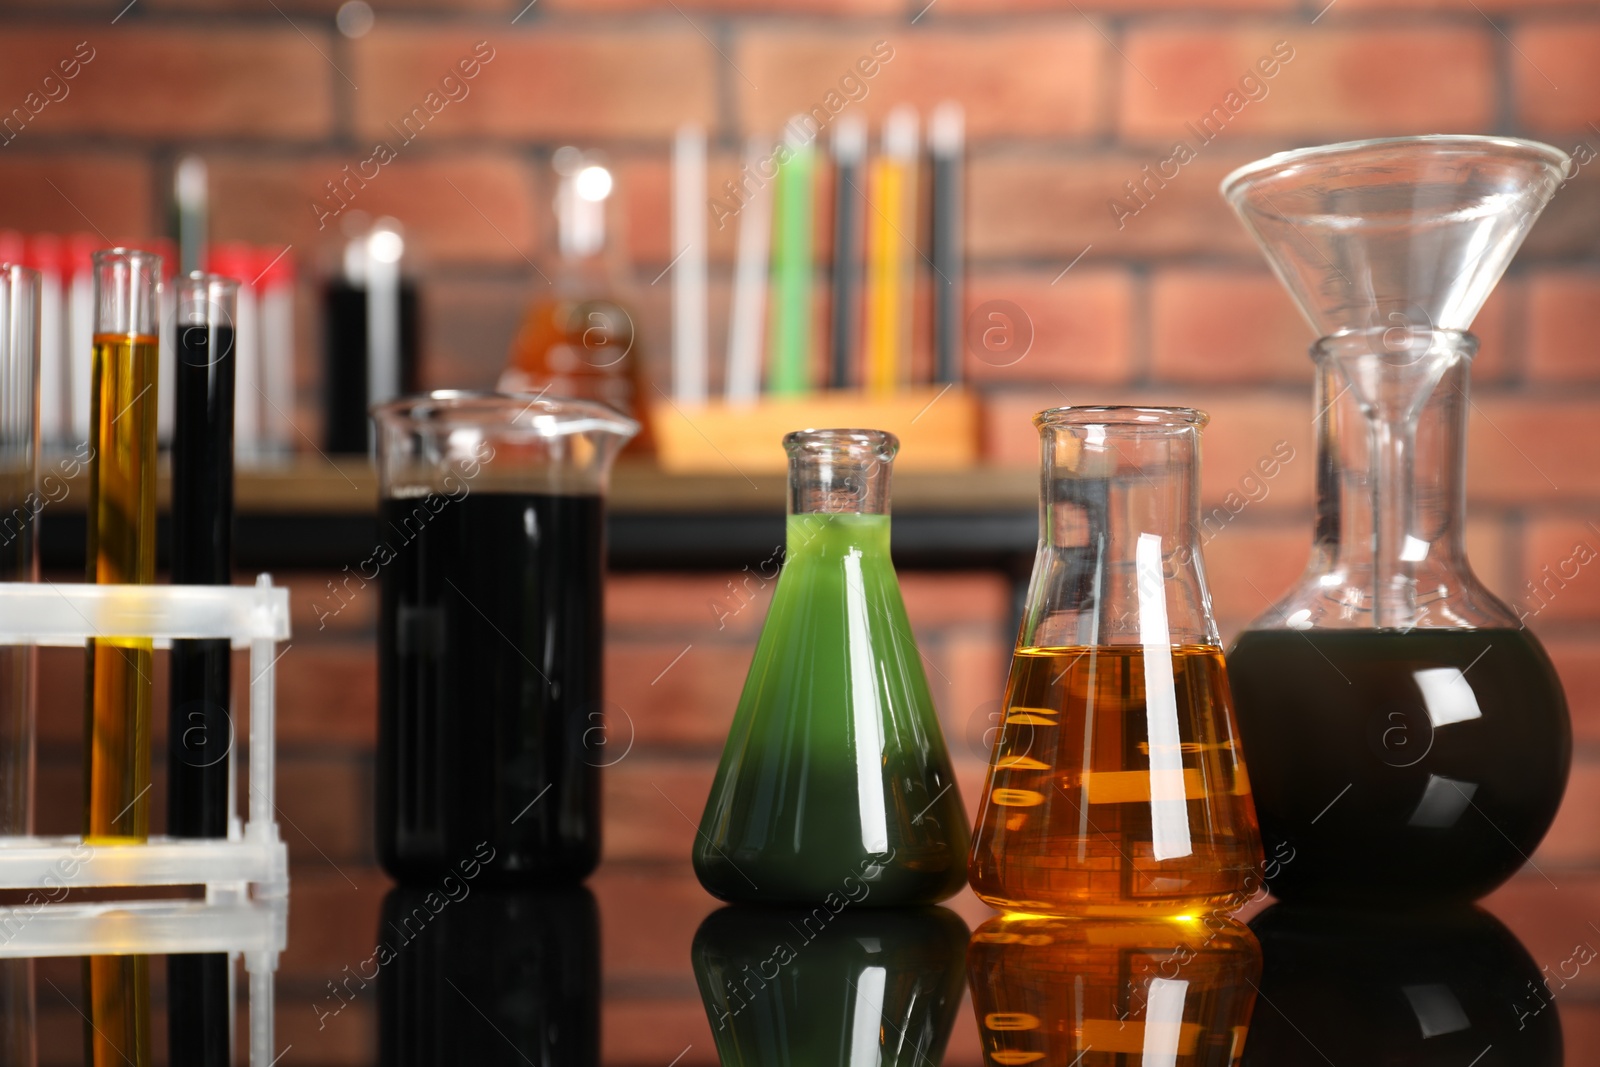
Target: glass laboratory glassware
[[19, 546], [1107, 992], [1434, 989], [1408, 738], [1116, 786], [830, 985], [490, 727], [20, 503], [835, 769], [578, 339], [120, 687], [473, 974]]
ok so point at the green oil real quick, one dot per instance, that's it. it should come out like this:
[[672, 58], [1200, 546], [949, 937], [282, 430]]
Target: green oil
[[835, 782]]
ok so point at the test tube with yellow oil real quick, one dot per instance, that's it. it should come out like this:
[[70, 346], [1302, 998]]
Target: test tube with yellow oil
[[122, 541]]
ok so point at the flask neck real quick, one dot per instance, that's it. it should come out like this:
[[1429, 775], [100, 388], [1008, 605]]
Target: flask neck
[[840, 472], [1119, 519], [1391, 501]]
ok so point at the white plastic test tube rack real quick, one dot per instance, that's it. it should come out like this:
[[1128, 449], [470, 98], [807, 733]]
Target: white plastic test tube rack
[[246, 875]]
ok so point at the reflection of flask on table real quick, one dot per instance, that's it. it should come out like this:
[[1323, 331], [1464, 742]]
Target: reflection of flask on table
[[835, 765], [468, 974], [1099, 993], [1441, 989], [1116, 786], [1407, 735], [838, 984]]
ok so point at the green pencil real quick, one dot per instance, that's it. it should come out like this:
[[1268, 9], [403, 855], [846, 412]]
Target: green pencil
[[791, 275]]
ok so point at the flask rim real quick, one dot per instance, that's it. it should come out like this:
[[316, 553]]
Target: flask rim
[[1394, 341], [858, 443], [1134, 415], [522, 412]]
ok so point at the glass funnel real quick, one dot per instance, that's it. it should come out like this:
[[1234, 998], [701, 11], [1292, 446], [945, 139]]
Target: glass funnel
[[835, 774], [1103, 993], [1408, 738], [491, 550], [1115, 786]]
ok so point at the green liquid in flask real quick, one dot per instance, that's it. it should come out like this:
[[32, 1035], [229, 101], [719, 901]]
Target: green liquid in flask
[[835, 779]]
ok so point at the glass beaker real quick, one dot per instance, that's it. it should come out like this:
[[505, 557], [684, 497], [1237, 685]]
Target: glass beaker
[[1407, 735], [491, 548], [835, 777], [1102, 993], [1116, 785], [494, 977]]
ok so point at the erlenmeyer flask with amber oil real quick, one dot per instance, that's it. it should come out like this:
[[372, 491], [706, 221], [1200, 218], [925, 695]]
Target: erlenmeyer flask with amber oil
[[835, 786], [1116, 786]]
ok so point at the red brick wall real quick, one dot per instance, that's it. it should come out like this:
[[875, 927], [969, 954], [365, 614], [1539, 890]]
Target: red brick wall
[[1065, 102]]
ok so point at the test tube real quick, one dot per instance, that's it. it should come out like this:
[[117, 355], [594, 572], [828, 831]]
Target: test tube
[[122, 540], [19, 506], [277, 349], [47, 255], [19, 562], [79, 296], [199, 733]]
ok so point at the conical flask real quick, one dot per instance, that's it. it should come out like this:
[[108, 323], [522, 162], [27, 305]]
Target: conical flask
[[1441, 989], [1113, 993], [784, 987], [1408, 738], [1115, 786], [835, 772]]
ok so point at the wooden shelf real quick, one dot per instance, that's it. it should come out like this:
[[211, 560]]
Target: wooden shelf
[[349, 486]]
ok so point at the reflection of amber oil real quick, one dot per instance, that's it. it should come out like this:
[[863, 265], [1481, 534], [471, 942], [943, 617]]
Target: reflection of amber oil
[[117, 1031], [122, 549], [1082, 815], [1099, 994]]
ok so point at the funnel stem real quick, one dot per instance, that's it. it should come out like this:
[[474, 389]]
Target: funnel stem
[[1393, 447]]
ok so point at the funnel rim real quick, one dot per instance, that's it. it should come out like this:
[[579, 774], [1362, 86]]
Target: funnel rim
[[1279, 160]]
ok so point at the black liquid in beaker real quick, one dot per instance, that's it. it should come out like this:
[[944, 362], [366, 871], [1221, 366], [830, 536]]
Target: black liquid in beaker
[[490, 729]]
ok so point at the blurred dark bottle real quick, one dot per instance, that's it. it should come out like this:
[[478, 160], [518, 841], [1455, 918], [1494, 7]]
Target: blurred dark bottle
[[834, 985], [486, 977], [1448, 987], [1113, 993], [371, 326], [577, 338]]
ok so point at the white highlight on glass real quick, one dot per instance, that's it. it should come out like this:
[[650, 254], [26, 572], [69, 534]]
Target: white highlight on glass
[[1163, 1025], [865, 712], [1169, 804], [866, 1021], [1443, 802], [1447, 696]]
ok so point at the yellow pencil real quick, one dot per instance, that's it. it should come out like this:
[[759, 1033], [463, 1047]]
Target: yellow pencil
[[889, 265], [883, 278]]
